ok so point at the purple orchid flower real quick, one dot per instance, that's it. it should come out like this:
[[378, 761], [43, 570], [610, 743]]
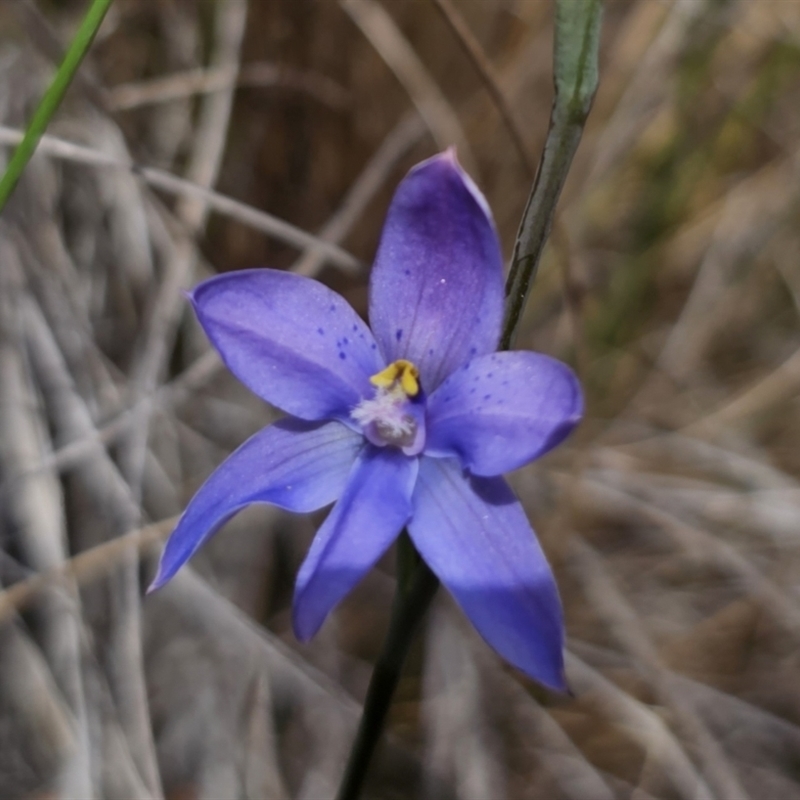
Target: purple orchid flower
[[410, 424]]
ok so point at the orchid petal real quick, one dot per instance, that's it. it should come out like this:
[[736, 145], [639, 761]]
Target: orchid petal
[[501, 411], [358, 531], [473, 534], [294, 465], [436, 292], [293, 341]]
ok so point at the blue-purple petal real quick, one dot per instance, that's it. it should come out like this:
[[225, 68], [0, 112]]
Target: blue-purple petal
[[501, 411], [436, 291], [358, 531], [293, 341], [295, 465], [473, 534]]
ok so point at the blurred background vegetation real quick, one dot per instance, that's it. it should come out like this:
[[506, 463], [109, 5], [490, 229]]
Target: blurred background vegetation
[[671, 282]]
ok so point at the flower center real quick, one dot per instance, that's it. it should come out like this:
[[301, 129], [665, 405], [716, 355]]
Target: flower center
[[400, 373], [396, 414]]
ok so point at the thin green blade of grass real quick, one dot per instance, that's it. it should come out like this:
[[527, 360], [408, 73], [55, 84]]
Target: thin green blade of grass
[[53, 96]]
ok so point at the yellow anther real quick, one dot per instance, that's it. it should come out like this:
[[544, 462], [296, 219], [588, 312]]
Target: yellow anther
[[402, 373]]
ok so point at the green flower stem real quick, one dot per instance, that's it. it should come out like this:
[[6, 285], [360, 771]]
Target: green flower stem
[[53, 97], [416, 586], [577, 34], [575, 71]]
